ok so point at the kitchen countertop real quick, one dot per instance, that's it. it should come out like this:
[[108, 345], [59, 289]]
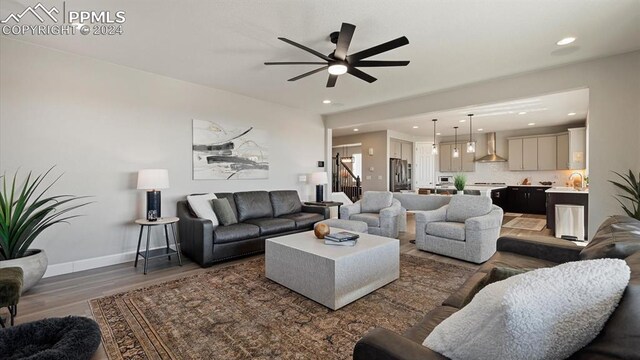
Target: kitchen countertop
[[567, 190]]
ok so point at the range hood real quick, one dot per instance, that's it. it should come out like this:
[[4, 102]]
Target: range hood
[[491, 150]]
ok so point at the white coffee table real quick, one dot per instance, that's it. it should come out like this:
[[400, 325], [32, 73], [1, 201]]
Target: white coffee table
[[333, 276]]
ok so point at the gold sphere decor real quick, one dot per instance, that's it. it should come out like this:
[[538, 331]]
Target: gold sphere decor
[[320, 230]]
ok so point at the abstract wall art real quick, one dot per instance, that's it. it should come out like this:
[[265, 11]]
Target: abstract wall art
[[227, 151]]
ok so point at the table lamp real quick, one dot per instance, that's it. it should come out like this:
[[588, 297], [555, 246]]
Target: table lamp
[[153, 180], [319, 179]]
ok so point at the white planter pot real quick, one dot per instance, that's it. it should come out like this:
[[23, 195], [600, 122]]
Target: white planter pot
[[33, 264], [460, 192]]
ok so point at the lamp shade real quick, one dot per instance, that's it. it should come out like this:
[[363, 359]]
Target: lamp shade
[[153, 179], [318, 178]]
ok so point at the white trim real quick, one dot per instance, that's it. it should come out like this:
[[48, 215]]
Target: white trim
[[92, 263]]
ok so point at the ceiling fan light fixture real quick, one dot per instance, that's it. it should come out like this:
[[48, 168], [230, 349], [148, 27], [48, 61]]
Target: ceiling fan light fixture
[[337, 69]]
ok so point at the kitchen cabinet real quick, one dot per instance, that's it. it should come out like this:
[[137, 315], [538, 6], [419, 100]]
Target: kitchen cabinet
[[499, 198], [577, 148], [576, 198], [562, 152], [527, 199], [515, 154], [465, 162], [547, 152], [523, 154], [396, 149], [406, 151], [468, 159], [444, 154], [530, 154]]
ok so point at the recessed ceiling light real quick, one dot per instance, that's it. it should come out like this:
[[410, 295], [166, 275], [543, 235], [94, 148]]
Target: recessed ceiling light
[[566, 41], [571, 113], [522, 112], [463, 120], [531, 124], [356, 129], [326, 101], [481, 129], [438, 133], [415, 126]]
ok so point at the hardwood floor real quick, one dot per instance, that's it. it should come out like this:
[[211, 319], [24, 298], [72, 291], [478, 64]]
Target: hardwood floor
[[69, 294]]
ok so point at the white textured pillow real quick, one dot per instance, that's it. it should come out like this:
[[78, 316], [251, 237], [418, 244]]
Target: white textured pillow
[[201, 205], [542, 314]]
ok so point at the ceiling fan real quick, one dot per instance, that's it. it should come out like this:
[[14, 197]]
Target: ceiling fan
[[338, 62]]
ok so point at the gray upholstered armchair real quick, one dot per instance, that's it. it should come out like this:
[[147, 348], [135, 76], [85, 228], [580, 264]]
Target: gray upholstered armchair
[[468, 228], [378, 209]]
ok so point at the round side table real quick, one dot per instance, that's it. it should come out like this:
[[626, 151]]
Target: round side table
[[156, 253]]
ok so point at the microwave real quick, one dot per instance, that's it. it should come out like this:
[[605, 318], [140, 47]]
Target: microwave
[[445, 179]]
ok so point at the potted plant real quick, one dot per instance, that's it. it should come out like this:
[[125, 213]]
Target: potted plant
[[459, 181], [25, 212], [631, 187]]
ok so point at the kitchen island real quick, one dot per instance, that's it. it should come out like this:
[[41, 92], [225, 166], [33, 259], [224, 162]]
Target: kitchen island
[[566, 196]]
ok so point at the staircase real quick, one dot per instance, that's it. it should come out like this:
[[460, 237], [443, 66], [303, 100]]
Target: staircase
[[344, 180]]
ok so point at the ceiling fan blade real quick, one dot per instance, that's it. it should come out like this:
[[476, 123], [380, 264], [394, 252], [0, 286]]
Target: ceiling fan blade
[[300, 46], [344, 40], [332, 80], [389, 45], [308, 73], [360, 74], [295, 63], [377, 63]]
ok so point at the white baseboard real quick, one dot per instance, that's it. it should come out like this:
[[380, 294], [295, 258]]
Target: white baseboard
[[93, 263]]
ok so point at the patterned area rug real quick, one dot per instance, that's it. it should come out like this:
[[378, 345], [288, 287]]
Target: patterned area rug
[[236, 313], [526, 224]]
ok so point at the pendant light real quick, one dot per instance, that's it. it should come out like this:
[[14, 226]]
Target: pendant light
[[471, 145], [456, 152], [434, 149]]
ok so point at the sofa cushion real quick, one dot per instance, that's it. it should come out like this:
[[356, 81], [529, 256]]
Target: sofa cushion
[[269, 226], [232, 202], [448, 230], [462, 207], [253, 205], [372, 220], [374, 201], [514, 261], [201, 206], [235, 232], [433, 318], [285, 202], [523, 316], [224, 212], [617, 237], [304, 220]]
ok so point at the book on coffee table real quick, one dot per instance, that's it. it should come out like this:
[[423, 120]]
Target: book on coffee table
[[341, 236], [341, 243]]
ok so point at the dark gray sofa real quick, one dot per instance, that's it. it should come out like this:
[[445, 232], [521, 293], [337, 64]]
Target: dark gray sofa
[[260, 215], [618, 237]]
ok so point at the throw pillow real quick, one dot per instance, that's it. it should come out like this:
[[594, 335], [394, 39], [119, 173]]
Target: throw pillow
[[374, 201], [546, 313], [224, 212], [201, 206]]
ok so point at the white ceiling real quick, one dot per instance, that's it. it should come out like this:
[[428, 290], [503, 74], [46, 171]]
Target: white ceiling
[[224, 43], [542, 111]]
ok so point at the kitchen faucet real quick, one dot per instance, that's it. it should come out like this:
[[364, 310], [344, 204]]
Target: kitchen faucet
[[581, 179]]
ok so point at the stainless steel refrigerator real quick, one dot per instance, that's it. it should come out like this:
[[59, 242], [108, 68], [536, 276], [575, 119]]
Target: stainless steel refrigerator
[[400, 175]]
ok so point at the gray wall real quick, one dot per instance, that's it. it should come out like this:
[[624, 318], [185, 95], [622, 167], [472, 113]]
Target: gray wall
[[379, 161], [614, 114], [100, 123]]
